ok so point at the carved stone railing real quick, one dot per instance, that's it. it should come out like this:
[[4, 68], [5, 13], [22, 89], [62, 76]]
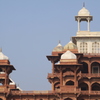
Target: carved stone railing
[[30, 92], [95, 92], [90, 92], [92, 54], [69, 89], [84, 92], [81, 75]]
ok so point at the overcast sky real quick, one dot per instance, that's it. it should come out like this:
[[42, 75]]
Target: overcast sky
[[30, 29]]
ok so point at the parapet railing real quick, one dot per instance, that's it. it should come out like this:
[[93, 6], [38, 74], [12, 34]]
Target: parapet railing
[[30, 92], [92, 54], [53, 92], [90, 92]]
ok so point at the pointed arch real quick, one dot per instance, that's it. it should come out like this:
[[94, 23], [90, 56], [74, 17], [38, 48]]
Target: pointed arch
[[83, 86], [85, 67], [68, 70], [1, 70], [57, 85], [95, 67], [95, 87], [68, 99], [69, 83]]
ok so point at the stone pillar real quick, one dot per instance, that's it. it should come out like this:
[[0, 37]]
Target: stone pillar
[[61, 78], [78, 19], [52, 86], [88, 27], [89, 69], [75, 82]]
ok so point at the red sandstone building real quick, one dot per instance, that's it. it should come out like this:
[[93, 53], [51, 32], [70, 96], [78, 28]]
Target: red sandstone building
[[75, 69]]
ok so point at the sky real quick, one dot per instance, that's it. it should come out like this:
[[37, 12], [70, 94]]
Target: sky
[[30, 29]]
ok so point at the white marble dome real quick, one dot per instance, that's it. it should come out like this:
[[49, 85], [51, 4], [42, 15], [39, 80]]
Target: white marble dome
[[68, 55], [58, 48], [2, 56], [83, 12]]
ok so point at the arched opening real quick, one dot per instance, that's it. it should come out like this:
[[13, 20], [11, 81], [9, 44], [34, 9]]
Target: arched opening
[[95, 67], [67, 70], [95, 87], [0, 84], [85, 67], [83, 86], [83, 25], [57, 85], [0, 70], [70, 83], [68, 99]]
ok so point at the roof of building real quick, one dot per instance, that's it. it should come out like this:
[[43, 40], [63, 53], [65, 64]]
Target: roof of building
[[83, 12], [68, 55], [2, 56], [70, 45], [58, 48]]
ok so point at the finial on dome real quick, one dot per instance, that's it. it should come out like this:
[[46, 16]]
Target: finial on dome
[[59, 41], [70, 38], [83, 4], [0, 49], [59, 47]]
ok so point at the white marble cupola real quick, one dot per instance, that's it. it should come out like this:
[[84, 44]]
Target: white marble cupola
[[86, 41], [83, 15]]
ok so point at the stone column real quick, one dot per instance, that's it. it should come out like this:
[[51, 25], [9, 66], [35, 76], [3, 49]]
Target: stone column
[[61, 78], [78, 19], [88, 27], [89, 69], [52, 86]]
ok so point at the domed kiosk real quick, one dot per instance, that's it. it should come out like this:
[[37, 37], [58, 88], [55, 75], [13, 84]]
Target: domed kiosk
[[83, 15]]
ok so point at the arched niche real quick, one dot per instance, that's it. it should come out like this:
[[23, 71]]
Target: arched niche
[[95, 87], [41, 99], [95, 67], [69, 83], [68, 99], [68, 70], [83, 86], [85, 67], [57, 85]]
